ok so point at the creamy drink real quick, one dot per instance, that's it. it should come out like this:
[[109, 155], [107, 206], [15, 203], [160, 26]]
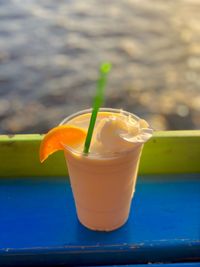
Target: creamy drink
[[102, 149], [103, 181]]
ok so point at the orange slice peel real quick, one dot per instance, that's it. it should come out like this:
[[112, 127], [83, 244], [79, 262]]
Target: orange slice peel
[[58, 137]]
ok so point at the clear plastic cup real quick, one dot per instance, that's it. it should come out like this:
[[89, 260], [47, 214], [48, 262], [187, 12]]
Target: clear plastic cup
[[103, 185]]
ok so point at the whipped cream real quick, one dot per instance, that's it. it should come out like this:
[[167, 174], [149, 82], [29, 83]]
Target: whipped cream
[[119, 133]]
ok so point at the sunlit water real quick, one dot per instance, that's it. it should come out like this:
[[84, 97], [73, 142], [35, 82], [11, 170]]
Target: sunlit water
[[50, 52]]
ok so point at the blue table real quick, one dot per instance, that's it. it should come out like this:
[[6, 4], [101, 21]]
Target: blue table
[[38, 224]]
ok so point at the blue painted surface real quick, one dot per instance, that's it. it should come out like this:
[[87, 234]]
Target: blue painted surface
[[38, 224]]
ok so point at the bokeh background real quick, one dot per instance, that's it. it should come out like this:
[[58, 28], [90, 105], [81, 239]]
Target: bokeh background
[[50, 52]]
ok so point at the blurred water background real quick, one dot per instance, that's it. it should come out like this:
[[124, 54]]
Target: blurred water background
[[50, 52]]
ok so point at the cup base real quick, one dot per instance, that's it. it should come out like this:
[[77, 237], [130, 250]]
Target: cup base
[[103, 221]]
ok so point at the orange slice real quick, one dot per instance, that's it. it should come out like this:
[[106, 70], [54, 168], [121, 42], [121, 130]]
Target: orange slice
[[59, 136]]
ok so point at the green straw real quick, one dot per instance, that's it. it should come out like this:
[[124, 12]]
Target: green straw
[[98, 100]]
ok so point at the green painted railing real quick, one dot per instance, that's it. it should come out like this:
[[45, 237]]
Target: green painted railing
[[166, 152]]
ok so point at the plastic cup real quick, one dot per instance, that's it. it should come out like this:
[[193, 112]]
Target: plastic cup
[[103, 186]]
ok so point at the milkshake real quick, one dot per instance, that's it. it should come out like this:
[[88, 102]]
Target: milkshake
[[103, 181]]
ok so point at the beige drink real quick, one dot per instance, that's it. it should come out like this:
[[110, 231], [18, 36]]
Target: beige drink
[[103, 181]]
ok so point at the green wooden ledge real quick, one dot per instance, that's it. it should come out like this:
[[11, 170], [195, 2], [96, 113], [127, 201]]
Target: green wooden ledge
[[166, 152]]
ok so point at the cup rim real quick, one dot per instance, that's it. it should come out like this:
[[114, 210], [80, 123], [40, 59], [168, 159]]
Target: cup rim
[[96, 155], [89, 110]]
